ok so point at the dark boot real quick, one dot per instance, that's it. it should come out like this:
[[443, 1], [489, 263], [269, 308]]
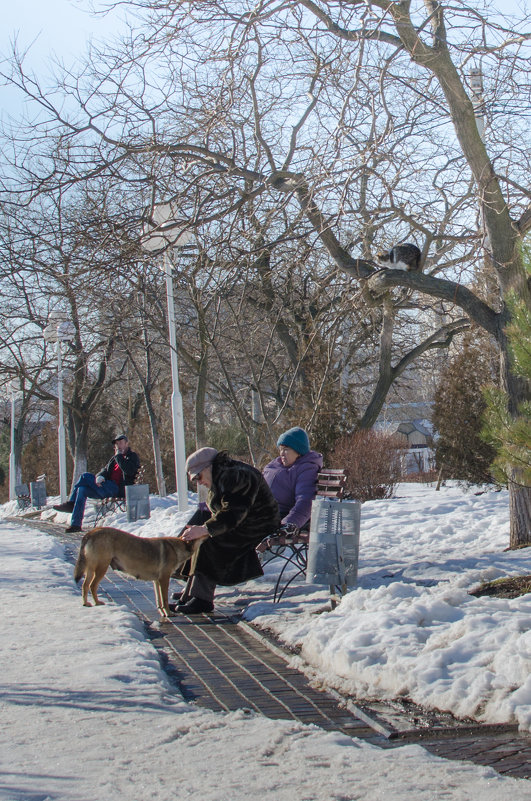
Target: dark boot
[[72, 529], [65, 507], [195, 606]]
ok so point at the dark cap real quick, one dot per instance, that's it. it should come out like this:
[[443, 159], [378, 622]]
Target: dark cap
[[198, 460], [118, 438]]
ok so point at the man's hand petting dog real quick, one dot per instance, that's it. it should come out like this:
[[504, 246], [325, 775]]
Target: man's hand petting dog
[[192, 533]]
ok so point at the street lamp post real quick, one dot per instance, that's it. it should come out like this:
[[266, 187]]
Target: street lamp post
[[478, 101], [12, 461], [161, 236], [60, 330], [177, 415]]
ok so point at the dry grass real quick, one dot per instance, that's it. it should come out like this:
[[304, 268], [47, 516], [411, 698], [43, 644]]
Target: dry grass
[[511, 587]]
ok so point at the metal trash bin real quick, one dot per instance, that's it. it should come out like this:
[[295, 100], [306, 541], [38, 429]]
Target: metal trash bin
[[38, 494], [334, 543], [137, 500]]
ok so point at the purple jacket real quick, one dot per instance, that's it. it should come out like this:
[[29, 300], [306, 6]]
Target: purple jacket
[[294, 487]]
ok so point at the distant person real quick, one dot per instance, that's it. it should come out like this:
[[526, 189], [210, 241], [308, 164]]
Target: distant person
[[240, 512], [110, 482], [292, 478]]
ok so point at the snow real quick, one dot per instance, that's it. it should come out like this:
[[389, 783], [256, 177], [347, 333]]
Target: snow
[[88, 714], [411, 628]]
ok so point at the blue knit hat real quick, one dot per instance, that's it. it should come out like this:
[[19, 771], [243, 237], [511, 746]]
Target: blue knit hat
[[295, 438]]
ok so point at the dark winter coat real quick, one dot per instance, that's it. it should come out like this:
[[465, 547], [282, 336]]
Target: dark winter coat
[[294, 487], [242, 511], [129, 464]]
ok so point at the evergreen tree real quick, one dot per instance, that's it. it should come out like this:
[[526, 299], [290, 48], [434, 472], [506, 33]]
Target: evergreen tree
[[459, 406], [511, 436]]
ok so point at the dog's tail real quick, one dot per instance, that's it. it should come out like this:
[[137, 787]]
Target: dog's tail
[[79, 570]]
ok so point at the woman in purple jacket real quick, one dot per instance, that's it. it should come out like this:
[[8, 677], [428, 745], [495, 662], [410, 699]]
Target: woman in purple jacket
[[292, 477]]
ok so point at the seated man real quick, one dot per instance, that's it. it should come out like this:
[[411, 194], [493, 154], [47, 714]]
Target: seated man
[[240, 511], [110, 482], [292, 478]]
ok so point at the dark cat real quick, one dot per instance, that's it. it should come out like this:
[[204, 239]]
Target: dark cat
[[401, 257]]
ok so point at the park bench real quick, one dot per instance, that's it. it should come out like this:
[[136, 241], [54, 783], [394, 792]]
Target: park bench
[[24, 493], [23, 496], [105, 506], [292, 550]]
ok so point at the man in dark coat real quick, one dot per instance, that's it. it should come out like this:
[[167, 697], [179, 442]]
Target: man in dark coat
[[240, 512], [119, 472]]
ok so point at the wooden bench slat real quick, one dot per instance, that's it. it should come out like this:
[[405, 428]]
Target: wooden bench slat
[[331, 483], [332, 471]]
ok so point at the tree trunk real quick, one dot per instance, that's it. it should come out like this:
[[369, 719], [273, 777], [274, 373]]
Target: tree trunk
[[385, 371], [200, 395], [157, 458], [517, 390], [520, 513], [19, 433], [80, 453]]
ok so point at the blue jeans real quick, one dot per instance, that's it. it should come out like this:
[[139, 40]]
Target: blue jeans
[[86, 487]]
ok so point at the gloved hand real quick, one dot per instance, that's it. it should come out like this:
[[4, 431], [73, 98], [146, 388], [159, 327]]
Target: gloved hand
[[288, 530], [99, 480]]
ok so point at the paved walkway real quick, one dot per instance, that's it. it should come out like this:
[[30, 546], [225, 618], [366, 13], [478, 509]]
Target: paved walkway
[[222, 663]]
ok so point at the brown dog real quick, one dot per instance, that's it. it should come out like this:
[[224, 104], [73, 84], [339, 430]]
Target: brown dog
[[150, 559]]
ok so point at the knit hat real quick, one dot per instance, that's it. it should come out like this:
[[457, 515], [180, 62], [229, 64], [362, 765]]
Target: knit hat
[[198, 460], [295, 438]]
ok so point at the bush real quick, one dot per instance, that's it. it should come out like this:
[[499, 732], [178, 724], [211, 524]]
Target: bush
[[458, 410], [373, 463], [230, 438]]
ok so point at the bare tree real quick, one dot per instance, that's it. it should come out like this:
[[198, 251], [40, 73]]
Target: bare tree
[[354, 117], [419, 58], [58, 268], [141, 339]]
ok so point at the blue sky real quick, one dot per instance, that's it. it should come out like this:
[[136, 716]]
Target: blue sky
[[53, 26], [64, 27], [60, 28]]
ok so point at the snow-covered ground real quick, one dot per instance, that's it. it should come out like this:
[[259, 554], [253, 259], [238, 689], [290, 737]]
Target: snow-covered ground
[[88, 715], [411, 628]]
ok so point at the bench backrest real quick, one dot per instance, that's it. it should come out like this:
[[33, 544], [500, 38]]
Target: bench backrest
[[331, 483]]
